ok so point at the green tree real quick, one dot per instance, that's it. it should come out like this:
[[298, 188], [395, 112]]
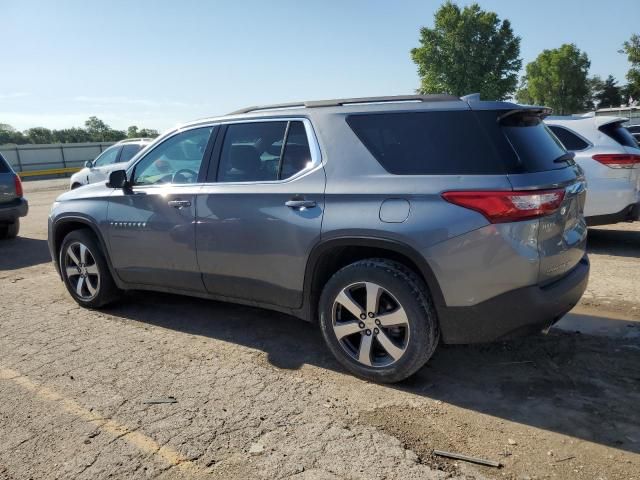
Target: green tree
[[558, 78], [610, 94], [71, 135], [39, 135], [132, 132], [148, 133], [632, 49], [468, 51], [97, 129], [9, 135]]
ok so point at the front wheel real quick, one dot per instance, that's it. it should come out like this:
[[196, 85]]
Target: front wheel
[[85, 271], [377, 318]]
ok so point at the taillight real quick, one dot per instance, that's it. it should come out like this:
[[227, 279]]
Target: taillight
[[508, 206], [618, 160], [18, 185]]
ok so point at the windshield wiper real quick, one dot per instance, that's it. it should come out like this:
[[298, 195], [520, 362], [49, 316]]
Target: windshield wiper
[[565, 157]]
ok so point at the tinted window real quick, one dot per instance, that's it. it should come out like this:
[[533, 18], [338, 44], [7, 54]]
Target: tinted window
[[570, 140], [128, 151], [297, 155], [428, 142], [4, 166], [107, 157], [619, 134], [537, 148], [176, 160]]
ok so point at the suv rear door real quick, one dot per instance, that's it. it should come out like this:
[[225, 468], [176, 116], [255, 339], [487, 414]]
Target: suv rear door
[[260, 212]]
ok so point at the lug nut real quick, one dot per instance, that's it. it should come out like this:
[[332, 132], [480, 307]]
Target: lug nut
[[376, 331], [368, 332], [371, 315], [363, 316], [377, 322], [361, 324]]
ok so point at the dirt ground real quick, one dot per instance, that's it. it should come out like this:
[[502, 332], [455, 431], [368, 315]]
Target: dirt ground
[[255, 394]]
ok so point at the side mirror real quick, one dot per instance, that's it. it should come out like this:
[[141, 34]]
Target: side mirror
[[88, 163], [118, 179]]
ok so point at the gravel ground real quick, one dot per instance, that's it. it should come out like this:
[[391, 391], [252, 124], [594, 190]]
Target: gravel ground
[[256, 395]]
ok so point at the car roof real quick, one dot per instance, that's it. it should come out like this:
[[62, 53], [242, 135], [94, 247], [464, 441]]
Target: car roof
[[597, 120], [369, 104], [142, 141]]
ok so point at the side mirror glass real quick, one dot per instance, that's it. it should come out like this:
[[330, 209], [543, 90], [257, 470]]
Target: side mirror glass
[[88, 163], [118, 179]]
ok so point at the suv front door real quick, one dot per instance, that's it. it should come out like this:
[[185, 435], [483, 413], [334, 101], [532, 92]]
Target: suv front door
[[103, 164], [152, 226], [260, 211]]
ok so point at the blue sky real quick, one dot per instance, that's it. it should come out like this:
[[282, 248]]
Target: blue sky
[[158, 63]]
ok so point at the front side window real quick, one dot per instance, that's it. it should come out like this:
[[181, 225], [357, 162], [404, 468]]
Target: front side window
[[109, 156], [128, 151], [176, 160], [263, 151]]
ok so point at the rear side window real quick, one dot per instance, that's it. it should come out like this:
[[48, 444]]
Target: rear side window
[[619, 134], [128, 151], [4, 166], [569, 139], [263, 151], [428, 143]]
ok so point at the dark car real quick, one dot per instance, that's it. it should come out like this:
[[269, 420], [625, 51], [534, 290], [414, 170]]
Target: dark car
[[12, 203]]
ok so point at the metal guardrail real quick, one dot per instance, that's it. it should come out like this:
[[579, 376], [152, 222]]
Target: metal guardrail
[[51, 159]]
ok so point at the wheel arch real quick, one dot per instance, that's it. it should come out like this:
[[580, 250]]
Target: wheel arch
[[65, 225], [329, 256]]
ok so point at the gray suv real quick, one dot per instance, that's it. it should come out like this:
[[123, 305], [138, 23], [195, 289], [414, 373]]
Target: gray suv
[[395, 223]]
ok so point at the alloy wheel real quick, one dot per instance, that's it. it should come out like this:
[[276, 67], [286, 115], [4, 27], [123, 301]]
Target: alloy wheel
[[370, 324], [81, 271]]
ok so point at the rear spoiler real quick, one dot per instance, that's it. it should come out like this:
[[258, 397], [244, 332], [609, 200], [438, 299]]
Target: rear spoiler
[[541, 112], [602, 121]]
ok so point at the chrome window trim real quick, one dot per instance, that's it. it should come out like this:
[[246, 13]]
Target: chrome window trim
[[314, 147], [589, 144]]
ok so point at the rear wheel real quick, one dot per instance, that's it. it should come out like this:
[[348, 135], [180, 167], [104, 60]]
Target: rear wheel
[[10, 230], [377, 319], [85, 271]]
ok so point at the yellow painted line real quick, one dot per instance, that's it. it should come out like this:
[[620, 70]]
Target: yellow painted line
[[53, 171], [139, 440]]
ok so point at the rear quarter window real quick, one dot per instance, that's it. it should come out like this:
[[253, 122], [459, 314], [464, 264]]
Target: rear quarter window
[[570, 140], [428, 143]]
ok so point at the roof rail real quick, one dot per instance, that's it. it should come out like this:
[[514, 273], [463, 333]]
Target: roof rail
[[135, 139], [349, 101]]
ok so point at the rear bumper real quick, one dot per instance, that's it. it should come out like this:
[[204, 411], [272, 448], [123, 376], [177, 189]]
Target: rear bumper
[[516, 313], [630, 213], [15, 209]]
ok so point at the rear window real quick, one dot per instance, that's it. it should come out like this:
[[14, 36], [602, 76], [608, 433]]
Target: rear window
[[569, 139], [537, 148], [4, 166], [459, 142], [619, 134], [428, 143]]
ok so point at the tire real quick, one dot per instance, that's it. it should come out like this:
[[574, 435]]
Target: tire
[[10, 230], [401, 335], [98, 288]]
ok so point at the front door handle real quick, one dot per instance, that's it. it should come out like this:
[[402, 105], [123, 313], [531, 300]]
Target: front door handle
[[179, 203], [300, 203]]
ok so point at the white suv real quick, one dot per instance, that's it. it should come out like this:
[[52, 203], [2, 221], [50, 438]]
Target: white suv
[[610, 158], [113, 158]]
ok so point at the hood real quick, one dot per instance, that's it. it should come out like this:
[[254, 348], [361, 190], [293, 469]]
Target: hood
[[93, 190]]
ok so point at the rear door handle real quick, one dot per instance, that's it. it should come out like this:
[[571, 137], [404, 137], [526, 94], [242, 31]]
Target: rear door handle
[[300, 203], [179, 203]]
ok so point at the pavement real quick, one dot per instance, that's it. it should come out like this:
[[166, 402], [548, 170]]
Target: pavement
[[162, 386]]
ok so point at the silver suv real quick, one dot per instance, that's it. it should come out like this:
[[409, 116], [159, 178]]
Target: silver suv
[[395, 223]]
